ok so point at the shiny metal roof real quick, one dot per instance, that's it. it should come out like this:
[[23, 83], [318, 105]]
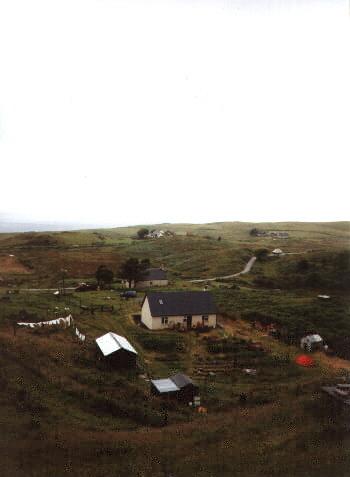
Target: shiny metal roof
[[165, 385], [110, 342]]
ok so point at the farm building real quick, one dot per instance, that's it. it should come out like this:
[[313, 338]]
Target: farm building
[[117, 350], [178, 386], [184, 309], [279, 234], [312, 343], [160, 233], [152, 277]]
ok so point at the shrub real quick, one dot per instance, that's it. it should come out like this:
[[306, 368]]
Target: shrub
[[162, 343]]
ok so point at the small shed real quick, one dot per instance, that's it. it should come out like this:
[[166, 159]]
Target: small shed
[[312, 343], [179, 386], [117, 350]]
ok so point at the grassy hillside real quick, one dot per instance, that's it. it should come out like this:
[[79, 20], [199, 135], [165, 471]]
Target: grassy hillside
[[64, 413]]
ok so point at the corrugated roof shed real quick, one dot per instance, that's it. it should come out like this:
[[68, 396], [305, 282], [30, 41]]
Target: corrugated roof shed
[[111, 342], [181, 303]]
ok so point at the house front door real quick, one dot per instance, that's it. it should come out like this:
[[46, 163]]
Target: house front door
[[189, 322]]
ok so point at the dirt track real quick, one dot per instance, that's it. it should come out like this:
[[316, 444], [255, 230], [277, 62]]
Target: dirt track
[[246, 269]]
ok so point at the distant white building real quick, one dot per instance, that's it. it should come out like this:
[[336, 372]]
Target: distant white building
[[277, 252], [156, 234], [159, 234]]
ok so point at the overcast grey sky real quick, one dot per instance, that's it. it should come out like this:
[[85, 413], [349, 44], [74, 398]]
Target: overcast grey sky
[[122, 112]]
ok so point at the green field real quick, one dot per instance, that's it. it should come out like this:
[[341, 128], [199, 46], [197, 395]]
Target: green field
[[64, 413]]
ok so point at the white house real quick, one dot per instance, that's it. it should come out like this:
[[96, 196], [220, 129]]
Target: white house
[[184, 309]]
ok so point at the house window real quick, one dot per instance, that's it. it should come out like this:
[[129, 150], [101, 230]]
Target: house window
[[164, 320], [205, 317]]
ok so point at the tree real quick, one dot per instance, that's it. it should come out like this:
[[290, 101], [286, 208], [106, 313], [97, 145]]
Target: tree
[[302, 265], [141, 233], [103, 275], [132, 268], [254, 232], [261, 253]]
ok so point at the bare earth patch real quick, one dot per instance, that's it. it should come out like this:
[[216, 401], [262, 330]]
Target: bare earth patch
[[11, 264]]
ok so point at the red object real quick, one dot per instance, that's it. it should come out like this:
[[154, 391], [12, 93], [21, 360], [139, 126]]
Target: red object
[[304, 360]]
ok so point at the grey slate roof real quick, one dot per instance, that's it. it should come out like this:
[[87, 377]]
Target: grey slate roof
[[181, 303], [181, 380], [153, 274]]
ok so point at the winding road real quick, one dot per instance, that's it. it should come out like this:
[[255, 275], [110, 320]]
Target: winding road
[[246, 269]]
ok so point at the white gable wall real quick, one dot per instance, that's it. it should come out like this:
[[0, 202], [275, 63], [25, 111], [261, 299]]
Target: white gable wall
[[146, 316], [152, 283]]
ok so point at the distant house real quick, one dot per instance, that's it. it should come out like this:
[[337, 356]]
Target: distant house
[[279, 234], [178, 386], [312, 343], [184, 309], [154, 234], [277, 252], [153, 277], [117, 350]]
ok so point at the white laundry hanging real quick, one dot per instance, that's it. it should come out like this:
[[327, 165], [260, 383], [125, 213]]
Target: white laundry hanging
[[68, 320]]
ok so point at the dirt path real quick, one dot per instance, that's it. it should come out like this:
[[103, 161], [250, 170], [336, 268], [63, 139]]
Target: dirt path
[[246, 269]]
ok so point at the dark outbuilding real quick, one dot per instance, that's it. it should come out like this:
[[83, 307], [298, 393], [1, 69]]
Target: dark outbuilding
[[179, 386]]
